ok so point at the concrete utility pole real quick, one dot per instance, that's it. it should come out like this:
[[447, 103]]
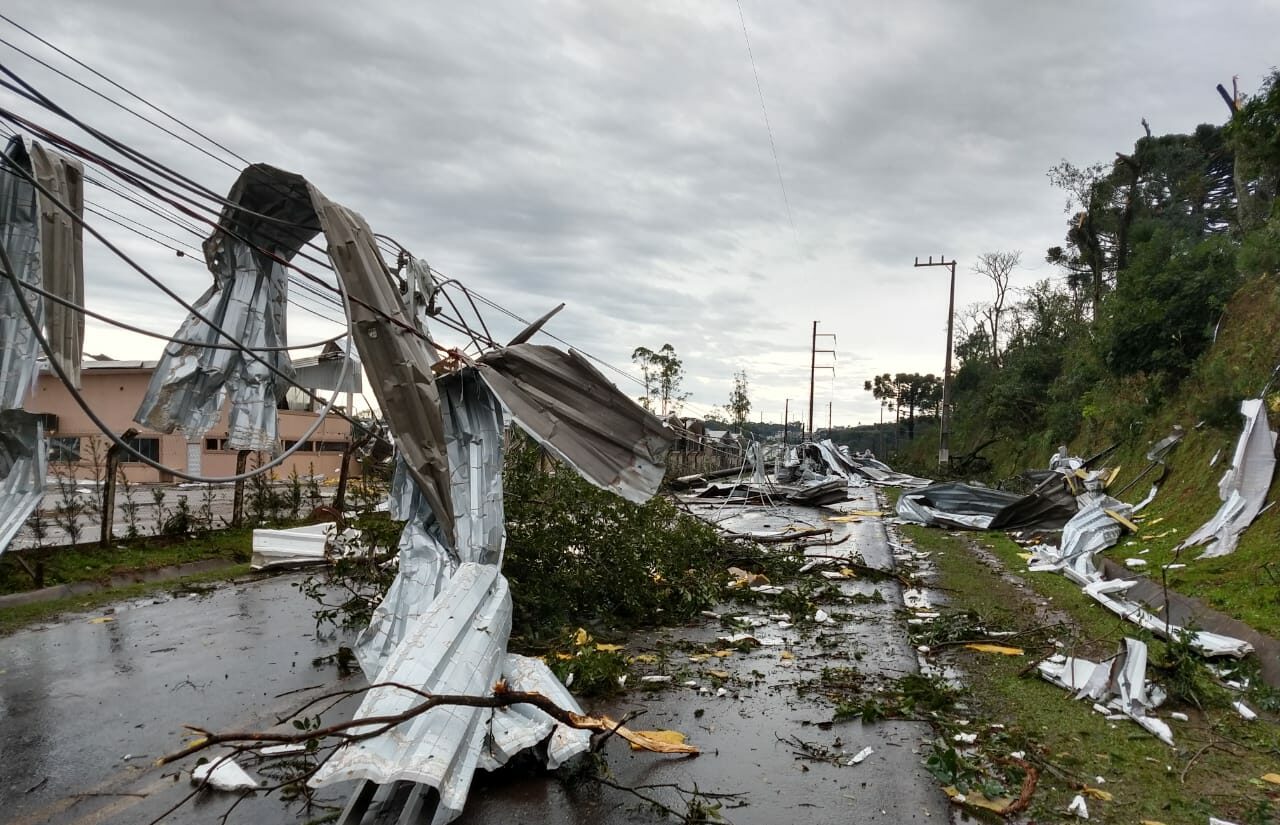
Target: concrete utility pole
[[944, 440], [813, 368]]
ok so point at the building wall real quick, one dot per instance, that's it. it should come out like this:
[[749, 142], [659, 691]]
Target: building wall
[[114, 394]]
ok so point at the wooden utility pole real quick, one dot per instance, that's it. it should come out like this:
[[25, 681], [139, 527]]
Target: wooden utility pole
[[944, 437], [786, 421], [813, 368]]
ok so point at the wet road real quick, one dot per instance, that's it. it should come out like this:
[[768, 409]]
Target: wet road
[[740, 732], [87, 705], [78, 697]]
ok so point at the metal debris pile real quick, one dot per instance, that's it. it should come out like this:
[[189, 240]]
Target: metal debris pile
[[443, 626]]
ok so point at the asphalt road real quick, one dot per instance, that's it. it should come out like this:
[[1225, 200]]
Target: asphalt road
[[87, 705]]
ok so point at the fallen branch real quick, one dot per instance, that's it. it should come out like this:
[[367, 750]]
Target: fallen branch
[[500, 698], [1028, 785]]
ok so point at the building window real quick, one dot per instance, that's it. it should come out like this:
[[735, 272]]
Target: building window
[[149, 447], [65, 448], [216, 445], [331, 446]]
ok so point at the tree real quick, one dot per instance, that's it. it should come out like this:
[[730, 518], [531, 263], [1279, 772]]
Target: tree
[[996, 267], [663, 372], [1089, 234], [739, 406], [909, 391]]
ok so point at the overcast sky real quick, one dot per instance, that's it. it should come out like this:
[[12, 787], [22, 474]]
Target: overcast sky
[[614, 156]]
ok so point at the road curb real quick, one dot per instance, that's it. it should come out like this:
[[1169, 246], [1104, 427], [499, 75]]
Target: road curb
[[62, 591]]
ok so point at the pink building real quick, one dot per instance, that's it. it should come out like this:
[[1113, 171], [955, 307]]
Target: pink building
[[113, 390]]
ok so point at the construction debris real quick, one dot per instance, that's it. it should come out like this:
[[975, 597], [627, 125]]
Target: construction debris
[[294, 547], [224, 774], [1243, 487], [1119, 684]]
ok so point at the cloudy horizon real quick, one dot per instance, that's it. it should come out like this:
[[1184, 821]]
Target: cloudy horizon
[[615, 156]]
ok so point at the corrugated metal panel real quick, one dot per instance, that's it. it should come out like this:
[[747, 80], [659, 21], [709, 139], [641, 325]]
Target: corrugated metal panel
[[457, 646], [398, 361], [22, 471], [473, 440], [20, 234], [1243, 487], [62, 254], [445, 630], [247, 300], [581, 417]]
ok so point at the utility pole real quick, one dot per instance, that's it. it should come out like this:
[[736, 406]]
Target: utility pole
[[944, 439], [813, 367], [829, 427], [786, 421]]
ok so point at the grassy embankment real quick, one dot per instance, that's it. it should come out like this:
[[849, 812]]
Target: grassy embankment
[[1245, 584], [1217, 764]]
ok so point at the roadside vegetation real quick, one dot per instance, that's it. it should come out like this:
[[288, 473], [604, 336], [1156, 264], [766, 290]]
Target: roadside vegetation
[[1219, 760], [1163, 313]]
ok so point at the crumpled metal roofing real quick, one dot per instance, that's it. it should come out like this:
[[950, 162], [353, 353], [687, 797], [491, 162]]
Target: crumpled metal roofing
[[443, 628], [23, 457], [1243, 487], [1110, 593], [269, 209], [397, 359], [43, 246], [955, 504], [20, 234], [580, 417], [62, 254], [1120, 683], [473, 440], [444, 624]]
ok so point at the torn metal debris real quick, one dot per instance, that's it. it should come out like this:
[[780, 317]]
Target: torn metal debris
[[292, 547], [44, 248], [1119, 684], [968, 506], [1243, 487], [266, 210]]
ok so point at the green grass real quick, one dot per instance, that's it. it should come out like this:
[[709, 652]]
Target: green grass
[[1071, 744], [15, 618], [67, 565]]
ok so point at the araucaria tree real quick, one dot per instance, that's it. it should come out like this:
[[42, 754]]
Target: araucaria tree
[[908, 392], [662, 371], [739, 406]]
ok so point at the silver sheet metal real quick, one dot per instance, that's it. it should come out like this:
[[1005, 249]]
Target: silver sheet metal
[[458, 646], [20, 234], [22, 470], [1120, 684], [270, 211], [1110, 593], [581, 417], [473, 437], [62, 254], [444, 624], [1243, 487], [396, 358]]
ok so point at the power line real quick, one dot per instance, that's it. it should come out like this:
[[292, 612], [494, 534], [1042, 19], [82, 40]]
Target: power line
[[127, 91], [772, 146], [146, 183]]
